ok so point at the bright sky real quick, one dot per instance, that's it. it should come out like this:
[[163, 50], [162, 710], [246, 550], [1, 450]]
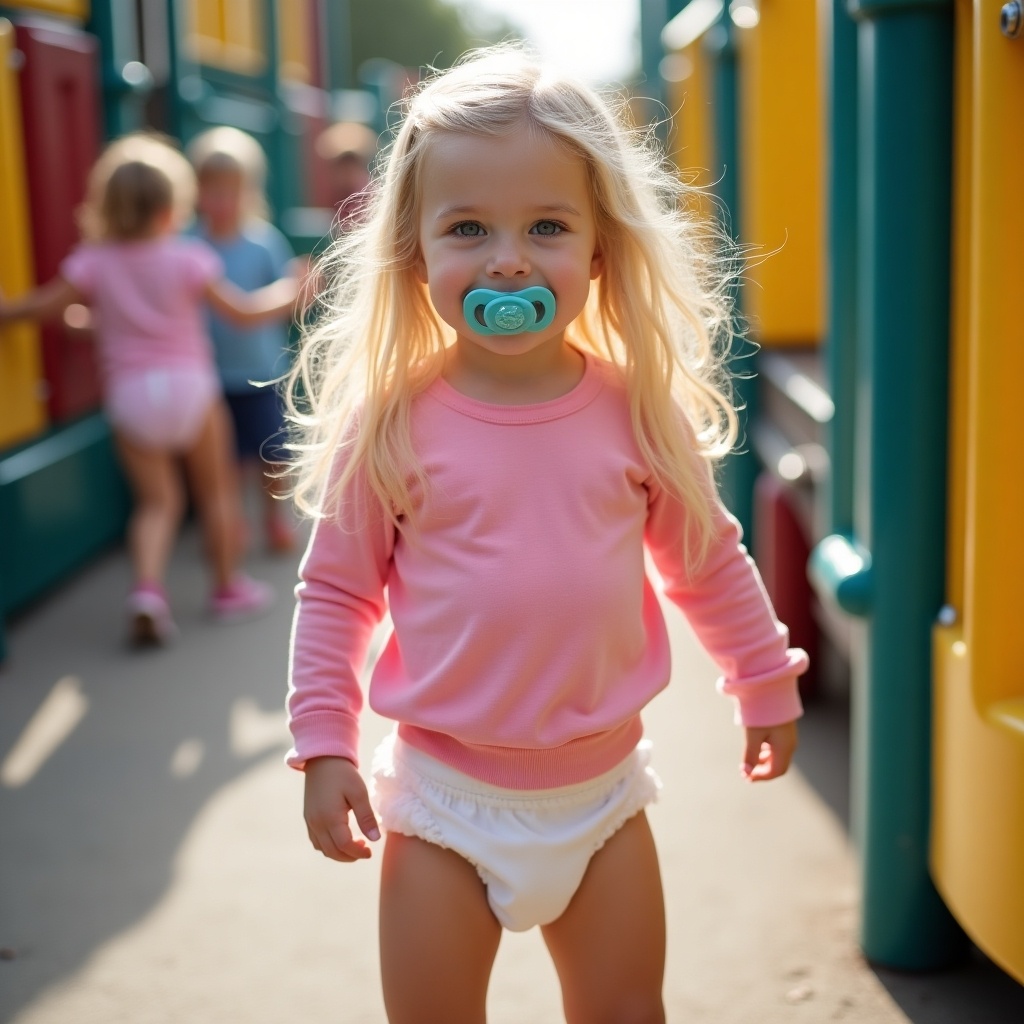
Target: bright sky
[[598, 40]]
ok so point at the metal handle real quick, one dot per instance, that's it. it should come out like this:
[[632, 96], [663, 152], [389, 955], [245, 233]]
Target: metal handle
[[1011, 19]]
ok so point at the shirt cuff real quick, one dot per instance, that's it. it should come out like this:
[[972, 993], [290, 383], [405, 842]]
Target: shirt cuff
[[323, 734], [771, 698]]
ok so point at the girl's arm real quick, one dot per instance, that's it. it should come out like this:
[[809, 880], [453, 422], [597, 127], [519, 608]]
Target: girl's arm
[[275, 301], [341, 599], [46, 302], [726, 604]]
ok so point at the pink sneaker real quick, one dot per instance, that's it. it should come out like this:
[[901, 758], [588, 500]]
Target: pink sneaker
[[243, 598], [149, 617]]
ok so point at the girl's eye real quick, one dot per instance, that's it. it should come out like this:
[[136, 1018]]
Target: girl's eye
[[547, 227], [468, 229]]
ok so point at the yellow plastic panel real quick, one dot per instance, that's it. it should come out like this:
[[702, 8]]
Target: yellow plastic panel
[[294, 22], [689, 97], [977, 845], [978, 795], [782, 171], [228, 34], [21, 410], [73, 8], [207, 21]]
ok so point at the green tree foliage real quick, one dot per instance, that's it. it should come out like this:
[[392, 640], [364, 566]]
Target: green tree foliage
[[416, 33]]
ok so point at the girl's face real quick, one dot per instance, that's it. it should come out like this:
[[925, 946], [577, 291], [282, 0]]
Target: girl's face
[[220, 201], [505, 214]]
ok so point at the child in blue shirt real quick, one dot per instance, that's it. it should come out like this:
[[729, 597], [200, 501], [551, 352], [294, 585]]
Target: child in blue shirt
[[231, 212]]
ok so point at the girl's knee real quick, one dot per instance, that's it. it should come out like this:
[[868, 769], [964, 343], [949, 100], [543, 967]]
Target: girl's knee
[[630, 1008], [167, 501]]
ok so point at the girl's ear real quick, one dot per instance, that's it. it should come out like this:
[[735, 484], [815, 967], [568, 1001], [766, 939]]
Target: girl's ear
[[419, 268], [596, 265]]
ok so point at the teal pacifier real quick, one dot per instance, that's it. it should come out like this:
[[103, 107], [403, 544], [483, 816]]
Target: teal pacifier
[[491, 312]]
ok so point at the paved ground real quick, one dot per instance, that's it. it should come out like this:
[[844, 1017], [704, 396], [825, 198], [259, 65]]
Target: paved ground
[[154, 868]]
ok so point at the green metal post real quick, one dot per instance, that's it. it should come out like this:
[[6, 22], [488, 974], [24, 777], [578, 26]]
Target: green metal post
[[282, 144], [126, 82], [185, 87], [653, 17], [840, 36], [740, 469], [894, 571], [338, 45]]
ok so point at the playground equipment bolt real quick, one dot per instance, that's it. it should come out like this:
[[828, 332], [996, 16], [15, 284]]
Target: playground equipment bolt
[[1011, 18]]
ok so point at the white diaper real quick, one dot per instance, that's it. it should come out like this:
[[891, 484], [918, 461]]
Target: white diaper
[[530, 847], [164, 409]]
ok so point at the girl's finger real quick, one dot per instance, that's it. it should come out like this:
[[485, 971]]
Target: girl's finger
[[365, 817], [347, 847]]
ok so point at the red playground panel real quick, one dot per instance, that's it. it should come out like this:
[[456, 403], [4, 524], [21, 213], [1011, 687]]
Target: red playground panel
[[781, 550], [61, 117]]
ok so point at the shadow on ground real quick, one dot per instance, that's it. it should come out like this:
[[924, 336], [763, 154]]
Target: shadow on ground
[[88, 844]]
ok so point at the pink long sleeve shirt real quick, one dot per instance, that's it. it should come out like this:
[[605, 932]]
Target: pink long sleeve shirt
[[527, 636]]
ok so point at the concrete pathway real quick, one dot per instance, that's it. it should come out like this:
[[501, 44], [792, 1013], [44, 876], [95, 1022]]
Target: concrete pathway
[[154, 867]]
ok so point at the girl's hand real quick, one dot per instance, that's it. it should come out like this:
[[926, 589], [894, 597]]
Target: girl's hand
[[334, 788], [768, 751]]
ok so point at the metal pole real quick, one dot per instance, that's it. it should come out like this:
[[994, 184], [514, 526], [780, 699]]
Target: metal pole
[[905, 53]]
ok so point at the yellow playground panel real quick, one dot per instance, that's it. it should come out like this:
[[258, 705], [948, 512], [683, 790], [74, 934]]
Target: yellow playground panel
[[781, 158], [687, 74], [228, 34], [977, 846], [73, 8], [295, 39], [21, 408]]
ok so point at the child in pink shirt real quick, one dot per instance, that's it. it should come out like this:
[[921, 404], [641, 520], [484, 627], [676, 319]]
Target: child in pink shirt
[[511, 397], [147, 289]]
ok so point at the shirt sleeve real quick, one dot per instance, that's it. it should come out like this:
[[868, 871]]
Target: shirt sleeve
[[725, 602], [202, 264], [340, 600], [78, 268], [279, 250]]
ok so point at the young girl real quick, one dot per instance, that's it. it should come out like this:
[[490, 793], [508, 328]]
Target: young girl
[[147, 288], [510, 397], [231, 208]]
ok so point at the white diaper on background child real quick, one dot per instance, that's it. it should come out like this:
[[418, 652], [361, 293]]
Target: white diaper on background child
[[530, 847], [162, 408]]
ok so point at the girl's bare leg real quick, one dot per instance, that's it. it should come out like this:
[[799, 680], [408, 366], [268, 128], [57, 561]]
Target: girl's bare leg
[[609, 945], [438, 937], [159, 503], [213, 475], [280, 536]]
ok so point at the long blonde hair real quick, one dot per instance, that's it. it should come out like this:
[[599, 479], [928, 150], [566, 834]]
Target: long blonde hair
[[660, 311]]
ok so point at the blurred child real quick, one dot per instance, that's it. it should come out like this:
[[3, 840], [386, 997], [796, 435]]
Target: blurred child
[[348, 148], [231, 169], [147, 287]]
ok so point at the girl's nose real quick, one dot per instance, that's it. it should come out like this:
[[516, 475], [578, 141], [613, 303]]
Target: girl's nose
[[507, 259]]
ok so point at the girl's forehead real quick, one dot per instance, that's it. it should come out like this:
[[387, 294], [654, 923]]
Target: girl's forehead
[[526, 164]]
